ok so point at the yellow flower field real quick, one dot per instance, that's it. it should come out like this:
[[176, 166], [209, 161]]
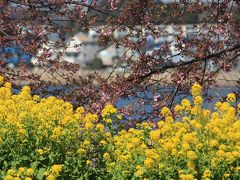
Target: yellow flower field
[[48, 139]]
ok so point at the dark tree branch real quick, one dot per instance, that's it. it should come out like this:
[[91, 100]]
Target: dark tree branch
[[169, 65]]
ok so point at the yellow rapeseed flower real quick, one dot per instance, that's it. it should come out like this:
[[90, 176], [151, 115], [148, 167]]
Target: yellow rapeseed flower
[[191, 155], [16, 178], [86, 143], [100, 127], [80, 110], [220, 153], [21, 170], [8, 177], [11, 172], [154, 135], [186, 177], [28, 178], [207, 174], [206, 113], [186, 104], [231, 97], [108, 121], [166, 111], [213, 143], [178, 109], [88, 162], [26, 90], [139, 173], [106, 156], [56, 169], [81, 151], [149, 163], [222, 147], [198, 101], [89, 126], [39, 151], [8, 85], [103, 142], [50, 177], [225, 107], [226, 175], [36, 98], [108, 110], [119, 116], [29, 172], [196, 90], [57, 132], [1, 80]]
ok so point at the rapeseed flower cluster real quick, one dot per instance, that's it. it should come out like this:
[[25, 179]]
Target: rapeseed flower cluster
[[39, 136], [47, 139], [199, 144]]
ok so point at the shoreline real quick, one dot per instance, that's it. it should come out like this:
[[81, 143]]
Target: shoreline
[[223, 79]]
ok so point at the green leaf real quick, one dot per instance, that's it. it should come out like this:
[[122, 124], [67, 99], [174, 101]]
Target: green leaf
[[80, 178], [34, 164], [25, 158], [86, 175], [40, 174], [5, 163]]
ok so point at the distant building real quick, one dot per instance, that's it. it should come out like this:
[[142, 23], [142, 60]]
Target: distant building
[[83, 48]]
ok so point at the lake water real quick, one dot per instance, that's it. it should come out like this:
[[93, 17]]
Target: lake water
[[218, 94]]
